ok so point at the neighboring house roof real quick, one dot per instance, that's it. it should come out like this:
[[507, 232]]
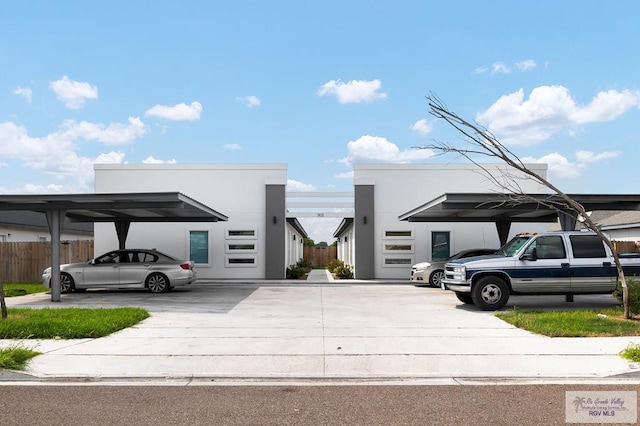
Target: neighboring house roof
[[297, 226], [37, 221], [616, 219], [344, 225]]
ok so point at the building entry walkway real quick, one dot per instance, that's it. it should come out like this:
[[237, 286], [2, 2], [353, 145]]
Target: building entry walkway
[[319, 276]]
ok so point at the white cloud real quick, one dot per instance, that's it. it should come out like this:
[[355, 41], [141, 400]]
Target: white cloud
[[345, 175], [40, 189], [249, 101], [320, 229], [560, 167], [232, 146], [74, 94], [354, 91], [24, 92], [550, 110], [294, 185], [373, 148], [113, 134], [589, 157], [526, 65], [179, 112], [54, 154], [151, 160], [422, 127], [499, 67], [480, 70]]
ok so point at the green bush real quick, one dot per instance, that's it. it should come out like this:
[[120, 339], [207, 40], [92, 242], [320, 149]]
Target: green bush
[[344, 272], [298, 269], [334, 265], [633, 285]]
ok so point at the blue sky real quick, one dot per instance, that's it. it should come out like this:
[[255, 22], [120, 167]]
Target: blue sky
[[318, 85]]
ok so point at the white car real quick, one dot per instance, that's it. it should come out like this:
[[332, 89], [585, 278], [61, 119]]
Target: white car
[[432, 273], [131, 268]]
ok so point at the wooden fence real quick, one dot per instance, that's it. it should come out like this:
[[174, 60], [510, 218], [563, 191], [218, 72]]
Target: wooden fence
[[25, 261], [626, 246], [319, 255]]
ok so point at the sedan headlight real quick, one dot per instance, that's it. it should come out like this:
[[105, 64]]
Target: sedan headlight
[[47, 271]]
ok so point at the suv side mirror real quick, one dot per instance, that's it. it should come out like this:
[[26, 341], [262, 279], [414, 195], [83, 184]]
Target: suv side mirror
[[532, 255]]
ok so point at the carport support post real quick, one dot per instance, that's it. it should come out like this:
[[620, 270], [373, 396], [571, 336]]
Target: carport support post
[[503, 228], [122, 230], [55, 220]]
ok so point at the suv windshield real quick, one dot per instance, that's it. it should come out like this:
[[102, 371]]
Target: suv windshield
[[515, 244]]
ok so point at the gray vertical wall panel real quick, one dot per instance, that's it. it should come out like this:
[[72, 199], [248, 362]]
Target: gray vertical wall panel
[[275, 232], [364, 232]]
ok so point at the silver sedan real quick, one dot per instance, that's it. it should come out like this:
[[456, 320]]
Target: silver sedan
[[432, 273], [132, 268]]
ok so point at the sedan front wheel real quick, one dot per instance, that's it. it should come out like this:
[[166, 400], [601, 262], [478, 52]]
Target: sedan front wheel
[[436, 278], [66, 283]]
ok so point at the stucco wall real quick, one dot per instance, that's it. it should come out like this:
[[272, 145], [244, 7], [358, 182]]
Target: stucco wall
[[235, 190], [403, 187]]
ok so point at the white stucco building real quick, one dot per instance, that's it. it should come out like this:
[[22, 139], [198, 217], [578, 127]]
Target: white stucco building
[[261, 239], [378, 245], [256, 242]]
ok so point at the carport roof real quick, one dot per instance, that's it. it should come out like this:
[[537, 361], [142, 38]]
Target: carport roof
[[129, 207], [494, 207]]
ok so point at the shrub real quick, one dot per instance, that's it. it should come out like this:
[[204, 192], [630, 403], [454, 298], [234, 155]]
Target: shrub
[[334, 265], [298, 269], [633, 285], [344, 272]]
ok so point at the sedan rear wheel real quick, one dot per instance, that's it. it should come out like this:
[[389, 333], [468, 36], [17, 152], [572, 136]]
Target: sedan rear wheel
[[66, 283], [157, 283]]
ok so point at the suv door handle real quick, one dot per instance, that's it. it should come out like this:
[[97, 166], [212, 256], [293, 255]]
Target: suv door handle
[[564, 264], [606, 264]]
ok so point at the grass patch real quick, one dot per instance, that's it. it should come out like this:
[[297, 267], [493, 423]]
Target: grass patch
[[582, 323], [632, 353], [16, 357], [20, 289], [68, 323]]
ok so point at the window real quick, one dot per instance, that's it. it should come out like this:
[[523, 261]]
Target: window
[[587, 246], [240, 247], [398, 234], [550, 247], [398, 247], [239, 233], [440, 245], [395, 261], [199, 246], [241, 262]]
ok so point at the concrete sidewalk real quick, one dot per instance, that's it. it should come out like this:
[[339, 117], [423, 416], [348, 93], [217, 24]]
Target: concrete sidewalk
[[320, 330]]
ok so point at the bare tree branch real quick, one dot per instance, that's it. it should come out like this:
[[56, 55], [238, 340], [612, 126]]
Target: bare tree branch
[[483, 144]]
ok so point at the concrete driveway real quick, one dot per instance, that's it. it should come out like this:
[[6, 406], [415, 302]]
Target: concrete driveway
[[342, 330]]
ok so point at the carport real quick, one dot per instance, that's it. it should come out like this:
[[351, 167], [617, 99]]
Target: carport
[[503, 211], [121, 209]]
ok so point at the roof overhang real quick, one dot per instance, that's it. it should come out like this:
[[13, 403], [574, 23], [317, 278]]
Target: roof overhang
[[493, 207], [129, 207]]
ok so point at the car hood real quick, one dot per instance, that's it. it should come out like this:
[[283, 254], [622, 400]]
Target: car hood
[[470, 260]]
